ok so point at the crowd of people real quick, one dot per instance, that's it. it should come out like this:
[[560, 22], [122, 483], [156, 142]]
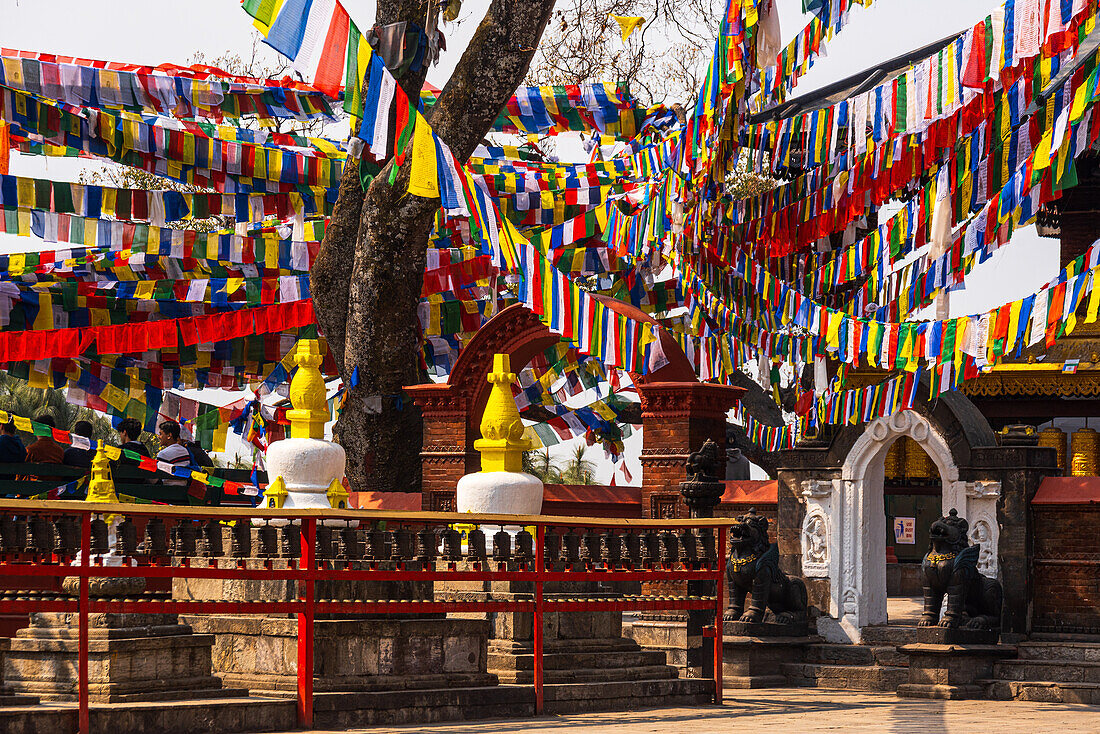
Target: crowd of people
[[46, 450]]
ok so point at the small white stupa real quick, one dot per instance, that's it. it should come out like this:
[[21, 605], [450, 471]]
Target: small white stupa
[[305, 470], [501, 487]]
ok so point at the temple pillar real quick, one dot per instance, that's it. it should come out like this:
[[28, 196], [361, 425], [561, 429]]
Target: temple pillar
[[677, 418], [447, 453]]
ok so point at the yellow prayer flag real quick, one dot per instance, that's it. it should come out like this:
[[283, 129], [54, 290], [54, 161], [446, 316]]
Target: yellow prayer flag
[[424, 176], [628, 24], [22, 424], [220, 433], [144, 290]]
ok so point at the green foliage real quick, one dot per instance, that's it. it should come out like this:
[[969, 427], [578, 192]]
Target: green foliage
[[539, 464], [578, 470]]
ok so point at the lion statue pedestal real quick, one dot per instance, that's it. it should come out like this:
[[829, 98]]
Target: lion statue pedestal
[[952, 653], [771, 630], [972, 614]]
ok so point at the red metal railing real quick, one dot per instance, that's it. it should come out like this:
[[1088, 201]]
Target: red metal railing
[[40, 538]]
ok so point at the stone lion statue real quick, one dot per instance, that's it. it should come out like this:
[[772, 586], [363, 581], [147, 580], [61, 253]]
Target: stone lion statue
[[753, 570], [951, 567]]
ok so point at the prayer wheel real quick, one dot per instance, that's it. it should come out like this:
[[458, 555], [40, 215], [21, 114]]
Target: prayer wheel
[[1055, 438], [895, 461], [1085, 452], [918, 464]]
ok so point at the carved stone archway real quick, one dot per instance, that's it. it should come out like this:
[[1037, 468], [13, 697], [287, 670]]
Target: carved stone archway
[[678, 411], [844, 530]]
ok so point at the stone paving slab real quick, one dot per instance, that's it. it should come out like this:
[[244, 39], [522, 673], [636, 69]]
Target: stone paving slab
[[799, 710]]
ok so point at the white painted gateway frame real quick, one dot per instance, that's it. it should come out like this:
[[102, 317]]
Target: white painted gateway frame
[[844, 530]]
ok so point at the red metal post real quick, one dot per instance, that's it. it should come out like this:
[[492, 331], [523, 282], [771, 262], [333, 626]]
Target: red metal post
[[83, 716], [719, 610], [305, 624], [540, 569]]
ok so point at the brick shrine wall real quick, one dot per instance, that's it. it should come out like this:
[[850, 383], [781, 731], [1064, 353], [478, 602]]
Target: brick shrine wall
[[1066, 568]]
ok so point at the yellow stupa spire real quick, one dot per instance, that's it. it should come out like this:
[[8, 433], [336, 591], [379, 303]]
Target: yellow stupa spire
[[101, 488], [502, 442], [307, 393]]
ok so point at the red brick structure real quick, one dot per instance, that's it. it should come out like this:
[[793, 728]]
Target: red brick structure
[[678, 411], [1066, 566]]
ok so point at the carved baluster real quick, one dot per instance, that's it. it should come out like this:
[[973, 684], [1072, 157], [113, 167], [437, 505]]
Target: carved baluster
[[185, 536], [376, 543], [571, 547], [41, 535], [292, 541], [707, 551], [268, 537], [212, 546], [551, 546], [404, 544], [242, 539], [502, 546], [67, 536], [590, 546], [689, 547], [156, 538], [611, 548], [426, 545], [525, 547], [99, 543], [126, 538], [475, 545], [12, 531], [351, 546], [669, 547], [633, 544], [651, 547], [326, 543], [452, 545]]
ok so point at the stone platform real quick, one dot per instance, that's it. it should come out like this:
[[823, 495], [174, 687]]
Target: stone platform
[[950, 671], [131, 658], [757, 661], [261, 653]]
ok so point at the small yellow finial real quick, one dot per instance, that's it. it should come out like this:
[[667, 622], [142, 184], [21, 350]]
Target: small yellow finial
[[337, 495], [275, 494], [100, 487], [502, 443], [307, 393]]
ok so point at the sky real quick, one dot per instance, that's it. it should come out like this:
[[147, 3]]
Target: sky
[[144, 32]]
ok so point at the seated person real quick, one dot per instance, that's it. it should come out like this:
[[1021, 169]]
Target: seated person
[[172, 451], [76, 456], [45, 450], [128, 431], [12, 450]]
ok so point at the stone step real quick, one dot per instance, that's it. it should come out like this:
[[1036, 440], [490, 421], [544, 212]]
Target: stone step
[[1043, 650], [1050, 670], [589, 675], [574, 660], [850, 677], [178, 717], [834, 654], [1043, 691], [885, 634], [352, 710], [626, 695]]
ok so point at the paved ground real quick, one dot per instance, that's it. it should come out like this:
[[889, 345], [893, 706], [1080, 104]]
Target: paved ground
[[803, 710]]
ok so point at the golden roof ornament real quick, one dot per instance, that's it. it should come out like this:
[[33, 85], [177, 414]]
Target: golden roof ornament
[[307, 393], [502, 443], [101, 488]]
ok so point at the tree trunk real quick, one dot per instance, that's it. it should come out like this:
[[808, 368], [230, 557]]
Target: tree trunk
[[368, 276]]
